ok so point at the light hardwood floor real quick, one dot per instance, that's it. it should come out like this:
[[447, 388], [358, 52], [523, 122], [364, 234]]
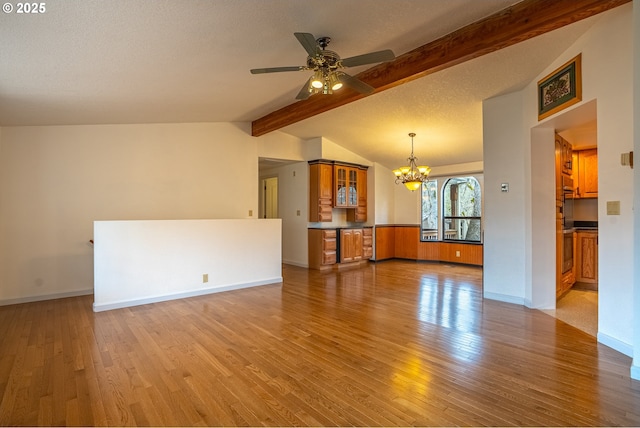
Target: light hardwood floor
[[394, 343]]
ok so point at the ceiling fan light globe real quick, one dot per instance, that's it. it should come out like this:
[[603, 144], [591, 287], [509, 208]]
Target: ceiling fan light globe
[[318, 80], [334, 81]]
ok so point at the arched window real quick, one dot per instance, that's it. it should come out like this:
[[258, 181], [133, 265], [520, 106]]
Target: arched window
[[429, 226], [462, 210]]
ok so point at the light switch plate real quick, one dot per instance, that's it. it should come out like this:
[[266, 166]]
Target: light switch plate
[[613, 207]]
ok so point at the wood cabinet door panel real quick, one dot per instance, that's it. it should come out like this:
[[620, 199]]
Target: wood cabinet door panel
[[326, 182], [320, 192], [350, 245], [588, 173], [586, 257]]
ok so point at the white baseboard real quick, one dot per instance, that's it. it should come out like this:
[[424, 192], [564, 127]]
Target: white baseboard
[[615, 344], [194, 293], [504, 298], [30, 299], [295, 263]]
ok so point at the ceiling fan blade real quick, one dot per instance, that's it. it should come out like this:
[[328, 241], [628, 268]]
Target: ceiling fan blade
[[304, 92], [308, 42], [370, 58], [276, 69], [357, 84]]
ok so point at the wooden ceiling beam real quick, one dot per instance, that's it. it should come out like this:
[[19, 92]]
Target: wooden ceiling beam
[[520, 22]]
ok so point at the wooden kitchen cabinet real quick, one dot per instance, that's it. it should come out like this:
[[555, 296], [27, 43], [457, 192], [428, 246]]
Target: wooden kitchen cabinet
[[350, 245], [367, 243], [356, 245], [320, 192], [566, 155], [359, 213], [585, 173], [337, 185], [345, 180], [586, 256], [322, 248]]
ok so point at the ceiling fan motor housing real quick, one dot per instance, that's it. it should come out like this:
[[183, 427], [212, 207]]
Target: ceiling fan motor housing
[[324, 59]]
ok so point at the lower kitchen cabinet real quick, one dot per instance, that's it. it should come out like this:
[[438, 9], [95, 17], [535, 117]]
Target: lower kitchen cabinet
[[367, 243], [586, 256], [330, 247], [322, 248], [350, 245]]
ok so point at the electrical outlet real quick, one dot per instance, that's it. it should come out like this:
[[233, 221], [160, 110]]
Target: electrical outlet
[[205, 277], [250, 213], [298, 213], [457, 253]]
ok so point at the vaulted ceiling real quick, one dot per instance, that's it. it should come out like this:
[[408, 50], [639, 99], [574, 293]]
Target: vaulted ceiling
[[137, 61]]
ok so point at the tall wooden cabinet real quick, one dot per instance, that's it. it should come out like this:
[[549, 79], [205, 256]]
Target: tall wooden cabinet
[[566, 161]]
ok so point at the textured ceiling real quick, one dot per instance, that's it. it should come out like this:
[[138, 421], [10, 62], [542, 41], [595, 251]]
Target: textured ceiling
[[141, 61]]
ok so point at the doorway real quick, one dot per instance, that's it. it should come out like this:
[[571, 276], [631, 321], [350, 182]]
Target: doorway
[[270, 197], [578, 305]]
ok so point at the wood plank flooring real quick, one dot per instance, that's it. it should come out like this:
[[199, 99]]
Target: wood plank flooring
[[396, 343]]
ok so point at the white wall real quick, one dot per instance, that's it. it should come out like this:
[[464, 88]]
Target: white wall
[[504, 213], [55, 181], [278, 145], [615, 182], [333, 151], [144, 261], [293, 209], [384, 195], [635, 368], [605, 72]]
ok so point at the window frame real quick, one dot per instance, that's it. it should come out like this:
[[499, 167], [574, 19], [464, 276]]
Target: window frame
[[426, 235]]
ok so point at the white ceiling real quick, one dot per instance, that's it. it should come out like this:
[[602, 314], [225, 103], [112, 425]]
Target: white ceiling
[[143, 61]]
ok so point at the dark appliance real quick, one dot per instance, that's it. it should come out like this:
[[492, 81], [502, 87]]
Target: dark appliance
[[567, 224]]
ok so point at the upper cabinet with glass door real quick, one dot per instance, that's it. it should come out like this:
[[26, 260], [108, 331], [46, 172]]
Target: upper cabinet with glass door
[[346, 186]]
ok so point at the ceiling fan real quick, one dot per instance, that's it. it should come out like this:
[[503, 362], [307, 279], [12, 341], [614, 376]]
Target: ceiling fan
[[327, 67]]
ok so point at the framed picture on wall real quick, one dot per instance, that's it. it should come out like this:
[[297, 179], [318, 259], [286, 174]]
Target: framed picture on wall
[[560, 89]]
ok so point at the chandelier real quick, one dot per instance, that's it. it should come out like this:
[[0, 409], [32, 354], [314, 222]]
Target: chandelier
[[412, 176]]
